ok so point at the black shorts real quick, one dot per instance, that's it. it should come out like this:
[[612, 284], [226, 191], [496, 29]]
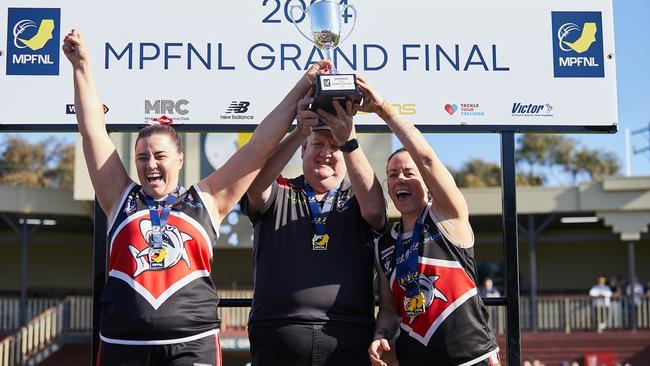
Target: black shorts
[[411, 352], [204, 351], [290, 344]]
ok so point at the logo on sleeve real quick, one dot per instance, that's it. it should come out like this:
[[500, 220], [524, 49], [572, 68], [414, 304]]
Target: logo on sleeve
[[33, 41]]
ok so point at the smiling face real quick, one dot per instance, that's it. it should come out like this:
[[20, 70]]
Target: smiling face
[[405, 185], [158, 163], [322, 161]]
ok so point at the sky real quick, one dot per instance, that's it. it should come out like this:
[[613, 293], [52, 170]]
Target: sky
[[632, 31]]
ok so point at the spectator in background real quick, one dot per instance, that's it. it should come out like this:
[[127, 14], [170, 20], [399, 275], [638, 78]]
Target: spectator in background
[[647, 289], [635, 289], [600, 295], [488, 289], [616, 284]]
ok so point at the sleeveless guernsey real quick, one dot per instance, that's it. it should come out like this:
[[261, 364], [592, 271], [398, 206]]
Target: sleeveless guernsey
[[165, 296], [453, 330]]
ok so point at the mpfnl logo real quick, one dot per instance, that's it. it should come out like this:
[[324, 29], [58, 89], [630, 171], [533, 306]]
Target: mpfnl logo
[[577, 44], [32, 41]]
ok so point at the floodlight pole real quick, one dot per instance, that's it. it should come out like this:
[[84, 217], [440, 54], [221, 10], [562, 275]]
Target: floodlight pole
[[511, 247], [99, 272]]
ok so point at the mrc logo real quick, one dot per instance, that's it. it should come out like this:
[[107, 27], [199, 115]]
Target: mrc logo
[[32, 41], [577, 44]]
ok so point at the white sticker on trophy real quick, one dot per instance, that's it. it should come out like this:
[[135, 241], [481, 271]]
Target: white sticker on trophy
[[337, 82]]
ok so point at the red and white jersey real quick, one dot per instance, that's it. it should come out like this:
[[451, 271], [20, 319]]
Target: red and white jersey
[[454, 325], [159, 294]]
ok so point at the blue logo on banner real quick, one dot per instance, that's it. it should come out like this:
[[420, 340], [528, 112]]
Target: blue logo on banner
[[33, 41], [577, 44]]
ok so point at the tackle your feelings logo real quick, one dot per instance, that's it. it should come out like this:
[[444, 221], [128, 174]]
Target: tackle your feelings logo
[[32, 41], [577, 44]]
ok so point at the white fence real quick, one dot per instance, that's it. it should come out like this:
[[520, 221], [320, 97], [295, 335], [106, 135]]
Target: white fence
[[74, 314], [42, 332]]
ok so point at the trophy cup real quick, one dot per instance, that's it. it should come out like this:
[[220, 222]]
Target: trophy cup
[[325, 16]]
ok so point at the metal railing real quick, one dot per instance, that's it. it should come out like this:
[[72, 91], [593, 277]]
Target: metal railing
[[234, 317], [74, 314], [10, 310], [45, 333], [578, 313], [554, 313]]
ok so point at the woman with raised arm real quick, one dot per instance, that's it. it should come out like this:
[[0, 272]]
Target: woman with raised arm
[[159, 306], [427, 258]]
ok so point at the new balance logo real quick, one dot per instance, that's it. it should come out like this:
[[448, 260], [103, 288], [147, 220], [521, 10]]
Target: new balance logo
[[238, 107]]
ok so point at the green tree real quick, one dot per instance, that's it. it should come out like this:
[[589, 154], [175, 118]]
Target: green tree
[[47, 163], [593, 164], [542, 159], [539, 156], [478, 173]]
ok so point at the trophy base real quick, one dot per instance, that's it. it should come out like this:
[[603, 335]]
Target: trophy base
[[342, 87]]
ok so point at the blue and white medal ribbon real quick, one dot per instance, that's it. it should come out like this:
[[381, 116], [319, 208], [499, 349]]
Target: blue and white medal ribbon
[[319, 216]]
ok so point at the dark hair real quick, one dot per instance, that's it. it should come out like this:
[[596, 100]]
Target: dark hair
[[400, 150], [162, 130]]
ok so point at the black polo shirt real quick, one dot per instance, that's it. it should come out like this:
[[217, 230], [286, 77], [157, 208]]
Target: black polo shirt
[[294, 282]]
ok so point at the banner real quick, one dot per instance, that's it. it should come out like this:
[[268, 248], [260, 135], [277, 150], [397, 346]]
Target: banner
[[466, 65]]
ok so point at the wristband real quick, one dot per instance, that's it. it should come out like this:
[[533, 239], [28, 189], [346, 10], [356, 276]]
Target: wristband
[[349, 146]]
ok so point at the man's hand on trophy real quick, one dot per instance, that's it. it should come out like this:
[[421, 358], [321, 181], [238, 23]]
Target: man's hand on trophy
[[306, 118], [341, 123]]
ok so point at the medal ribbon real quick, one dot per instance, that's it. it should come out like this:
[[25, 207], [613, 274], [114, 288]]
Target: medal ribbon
[[318, 215], [406, 259], [158, 222]]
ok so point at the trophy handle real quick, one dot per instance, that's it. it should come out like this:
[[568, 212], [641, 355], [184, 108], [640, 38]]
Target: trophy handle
[[354, 10], [293, 20]]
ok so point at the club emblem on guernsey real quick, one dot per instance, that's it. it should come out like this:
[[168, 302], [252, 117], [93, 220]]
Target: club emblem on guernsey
[[428, 293], [172, 252], [444, 287]]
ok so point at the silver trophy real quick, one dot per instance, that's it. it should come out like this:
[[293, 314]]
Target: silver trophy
[[325, 16]]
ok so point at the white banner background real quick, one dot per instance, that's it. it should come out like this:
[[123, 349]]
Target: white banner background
[[511, 34]]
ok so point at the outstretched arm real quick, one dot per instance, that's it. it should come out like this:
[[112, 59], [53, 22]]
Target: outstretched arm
[[228, 183], [387, 323], [449, 207], [260, 189], [364, 182], [107, 172]]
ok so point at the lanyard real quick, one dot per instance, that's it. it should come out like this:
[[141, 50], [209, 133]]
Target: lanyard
[[158, 222], [406, 260], [318, 215]]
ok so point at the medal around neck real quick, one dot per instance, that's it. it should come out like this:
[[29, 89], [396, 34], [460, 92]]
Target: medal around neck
[[415, 305], [325, 17], [319, 242]]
